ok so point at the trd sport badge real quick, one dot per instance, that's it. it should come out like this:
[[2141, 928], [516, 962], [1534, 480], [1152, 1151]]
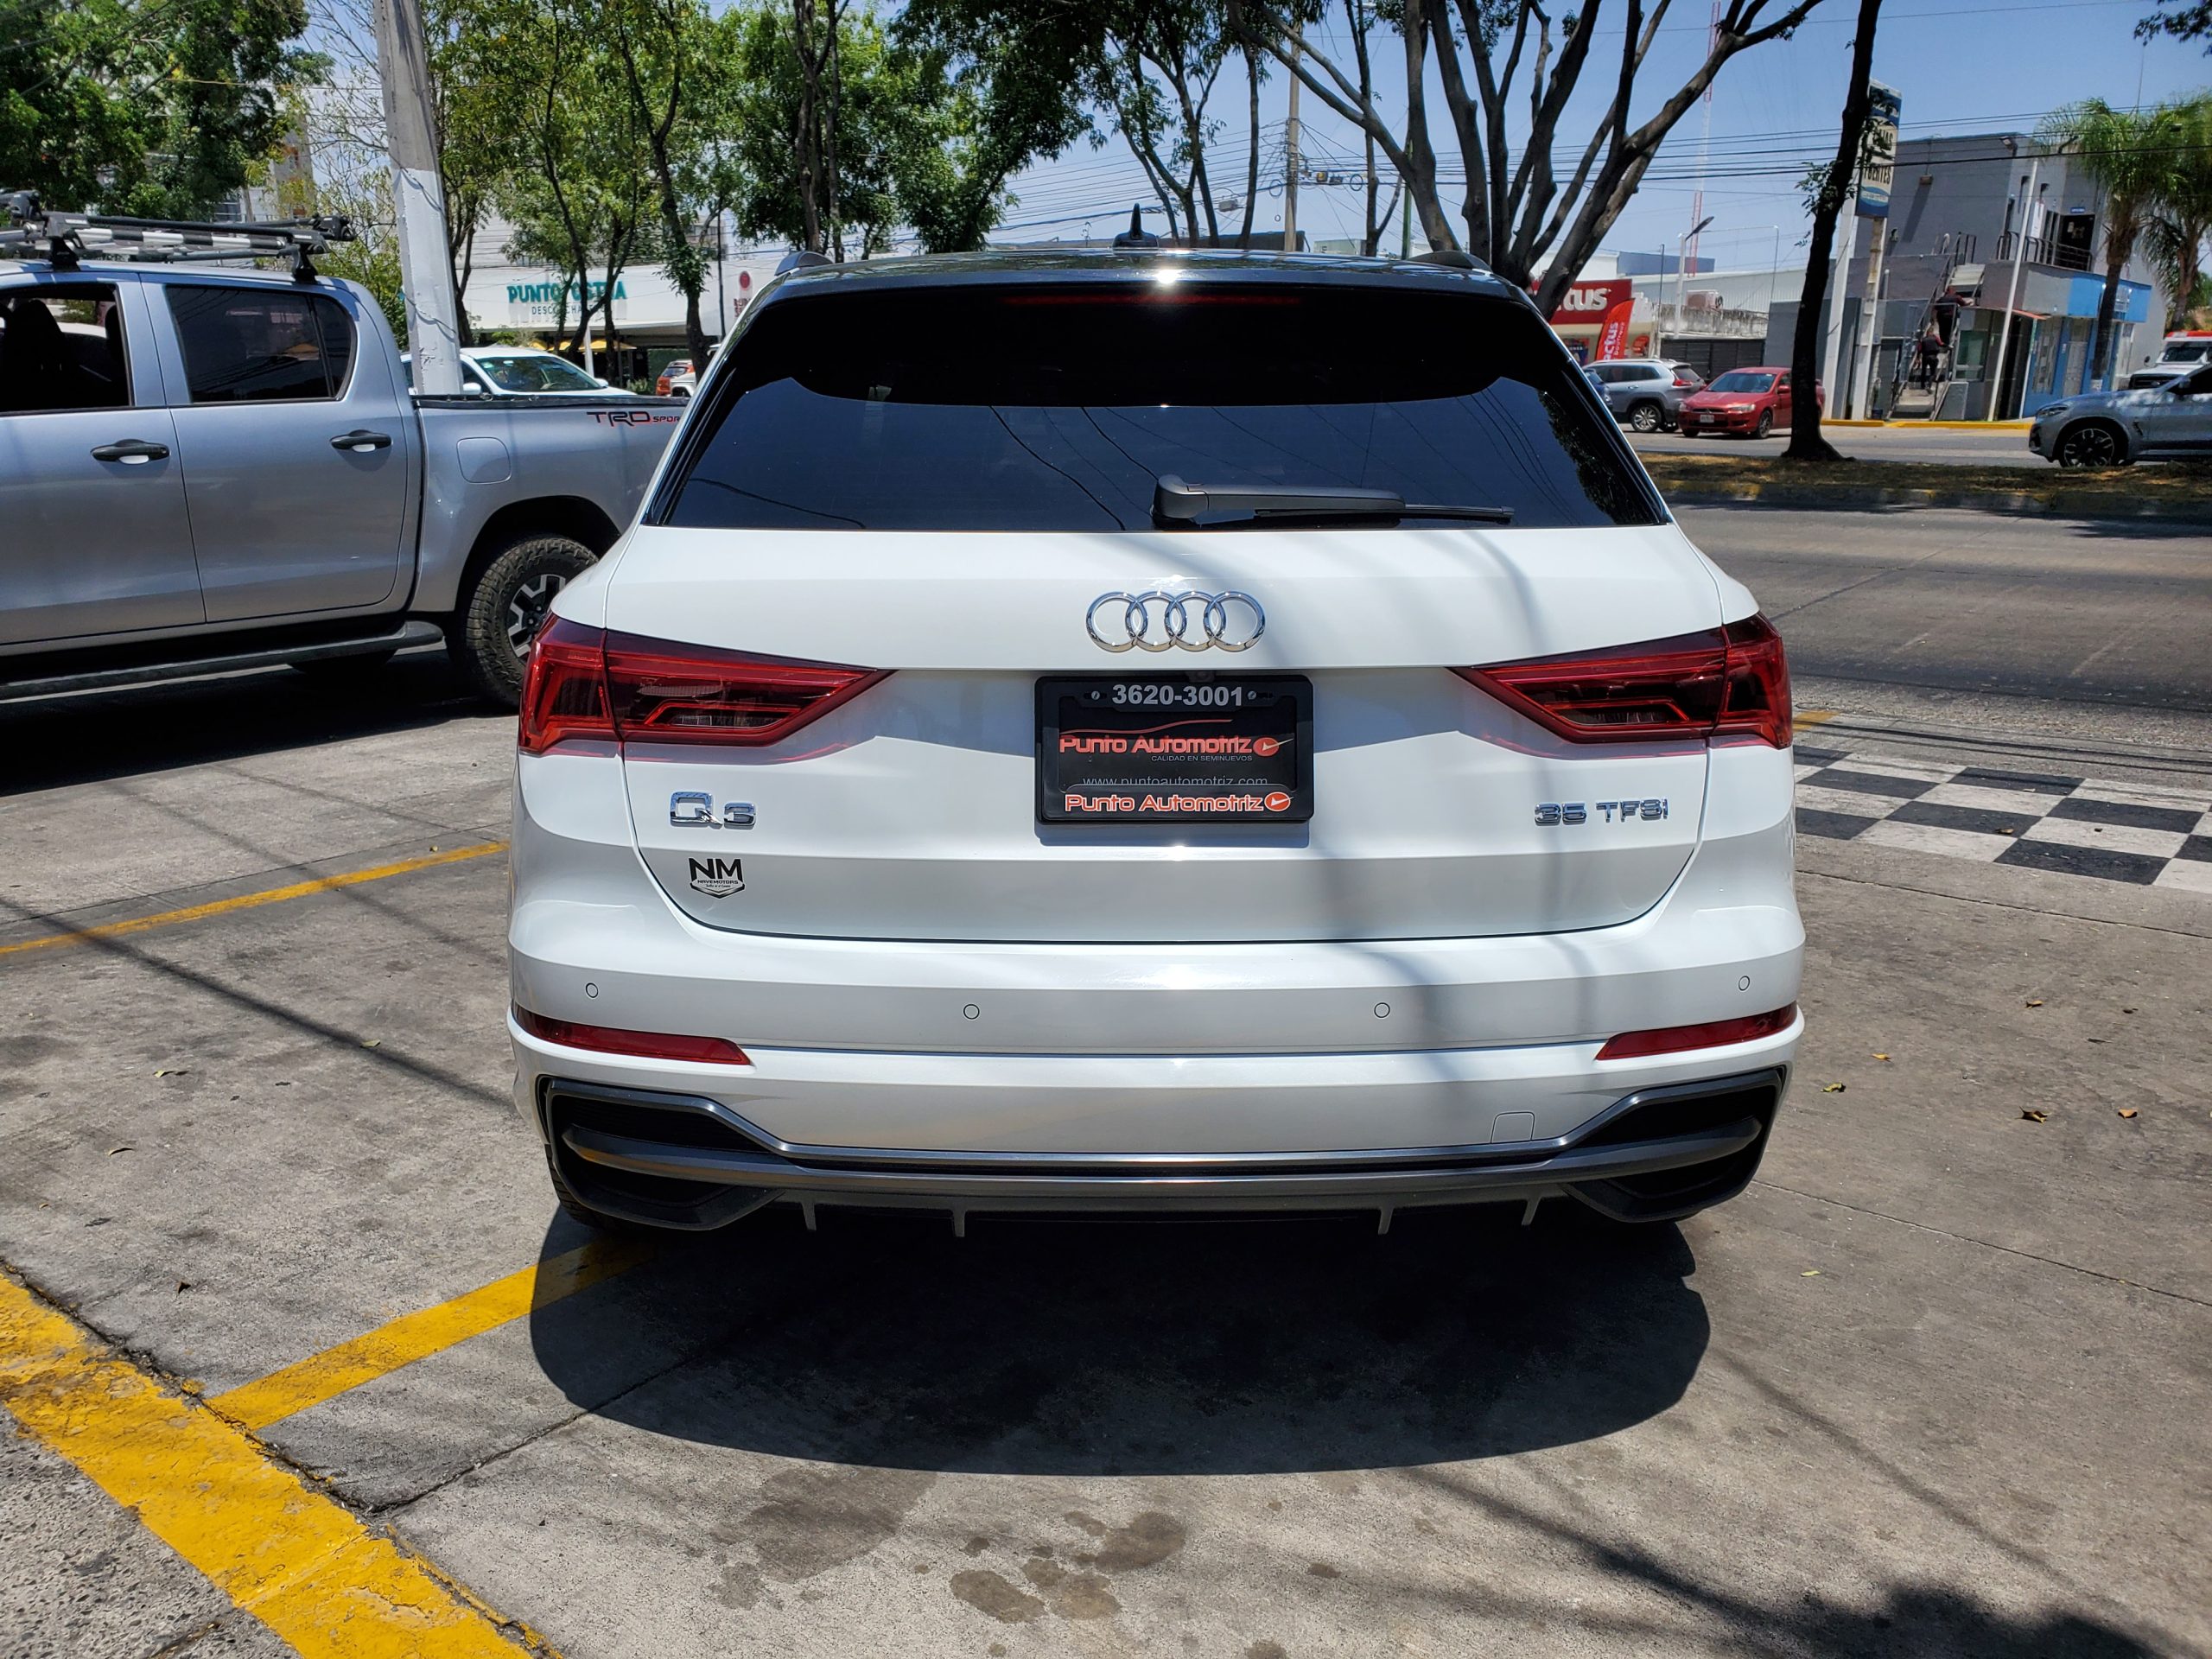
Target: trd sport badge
[[717, 878]]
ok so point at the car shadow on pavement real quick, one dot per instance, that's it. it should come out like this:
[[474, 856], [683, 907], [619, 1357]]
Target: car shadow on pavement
[[95, 735], [1086, 1347]]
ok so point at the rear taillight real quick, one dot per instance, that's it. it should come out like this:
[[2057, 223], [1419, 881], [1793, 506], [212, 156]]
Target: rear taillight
[[1714, 1034], [651, 1045], [1679, 381], [1728, 683], [585, 683]]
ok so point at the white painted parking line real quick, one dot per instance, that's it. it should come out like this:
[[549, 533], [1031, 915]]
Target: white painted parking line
[[1927, 838], [1849, 802], [2105, 837], [2025, 802], [2186, 875]]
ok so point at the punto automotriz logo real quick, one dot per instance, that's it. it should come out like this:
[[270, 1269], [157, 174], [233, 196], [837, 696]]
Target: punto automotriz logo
[[717, 878]]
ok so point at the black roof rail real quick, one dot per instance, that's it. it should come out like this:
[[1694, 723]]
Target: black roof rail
[[29, 230]]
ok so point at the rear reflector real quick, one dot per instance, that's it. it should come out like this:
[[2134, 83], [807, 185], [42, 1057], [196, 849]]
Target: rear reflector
[[584, 682], [1729, 681], [652, 1045], [1715, 1033]]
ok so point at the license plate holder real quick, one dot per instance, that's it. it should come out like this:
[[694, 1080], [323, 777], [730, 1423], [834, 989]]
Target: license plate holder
[[1175, 748]]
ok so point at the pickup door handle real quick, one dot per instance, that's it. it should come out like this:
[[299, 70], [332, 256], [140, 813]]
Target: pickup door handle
[[132, 452], [360, 442]]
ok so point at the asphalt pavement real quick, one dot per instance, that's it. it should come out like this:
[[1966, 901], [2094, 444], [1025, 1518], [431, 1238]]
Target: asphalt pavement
[[1938, 1383], [2001, 446]]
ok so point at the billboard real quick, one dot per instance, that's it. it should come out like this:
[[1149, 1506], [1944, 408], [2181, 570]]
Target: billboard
[[1594, 317], [1878, 152]]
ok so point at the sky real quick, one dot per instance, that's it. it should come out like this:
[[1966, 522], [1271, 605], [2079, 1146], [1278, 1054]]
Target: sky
[[1973, 65]]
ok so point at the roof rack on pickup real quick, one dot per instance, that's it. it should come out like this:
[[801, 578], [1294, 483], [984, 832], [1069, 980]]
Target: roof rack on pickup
[[29, 231]]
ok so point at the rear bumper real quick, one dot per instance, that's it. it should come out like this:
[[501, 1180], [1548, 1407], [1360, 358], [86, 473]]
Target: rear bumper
[[688, 1161], [870, 1058]]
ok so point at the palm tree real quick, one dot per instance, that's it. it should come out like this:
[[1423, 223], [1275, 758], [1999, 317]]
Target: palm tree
[[2182, 218], [2127, 153]]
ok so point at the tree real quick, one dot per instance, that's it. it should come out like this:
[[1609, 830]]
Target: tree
[[1518, 216], [577, 194], [1361, 16], [1806, 443], [158, 108], [2180, 217], [817, 151], [2127, 154], [675, 73], [2189, 22], [1155, 75]]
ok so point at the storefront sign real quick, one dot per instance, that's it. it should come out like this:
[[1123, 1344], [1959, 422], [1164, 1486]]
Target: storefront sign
[[1878, 156], [539, 302]]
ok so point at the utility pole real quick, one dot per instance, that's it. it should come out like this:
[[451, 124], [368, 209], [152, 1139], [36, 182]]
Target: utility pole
[[1870, 312], [1835, 360], [2027, 199], [433, 309], [1290, 152]]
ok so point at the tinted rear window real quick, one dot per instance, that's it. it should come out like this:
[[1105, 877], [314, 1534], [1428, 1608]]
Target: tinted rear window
[[1039, 408]]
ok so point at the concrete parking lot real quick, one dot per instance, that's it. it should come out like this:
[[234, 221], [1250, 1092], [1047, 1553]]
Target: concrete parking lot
[[300, 1356]]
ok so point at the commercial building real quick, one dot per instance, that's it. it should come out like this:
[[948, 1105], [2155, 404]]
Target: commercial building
[[1998, 248]]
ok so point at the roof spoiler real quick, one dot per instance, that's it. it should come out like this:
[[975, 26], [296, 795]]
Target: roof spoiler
[[31, 230]]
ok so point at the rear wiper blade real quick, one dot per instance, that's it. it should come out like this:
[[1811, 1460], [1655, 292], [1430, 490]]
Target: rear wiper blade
[[1174, 502]]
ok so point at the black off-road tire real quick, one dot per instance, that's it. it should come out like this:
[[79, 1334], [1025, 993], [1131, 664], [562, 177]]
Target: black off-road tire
[[1647, 417], [2091, 444], [491, 634]]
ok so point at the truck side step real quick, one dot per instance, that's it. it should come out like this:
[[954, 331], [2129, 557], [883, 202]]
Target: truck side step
[[404, 637]]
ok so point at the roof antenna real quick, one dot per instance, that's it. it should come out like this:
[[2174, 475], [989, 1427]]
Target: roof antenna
[[1136, 236]]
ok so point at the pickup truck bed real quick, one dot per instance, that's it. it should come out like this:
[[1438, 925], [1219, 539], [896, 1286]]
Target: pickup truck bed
[[202, 466]]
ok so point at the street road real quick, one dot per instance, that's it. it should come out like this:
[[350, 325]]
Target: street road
[[2022, 616], [1996, 449], [1935, 1385]]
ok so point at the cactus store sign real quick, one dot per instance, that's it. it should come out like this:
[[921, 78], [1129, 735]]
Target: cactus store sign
[[539, 302]]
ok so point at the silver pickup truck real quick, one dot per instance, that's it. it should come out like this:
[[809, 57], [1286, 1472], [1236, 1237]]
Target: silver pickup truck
[[205, 468]]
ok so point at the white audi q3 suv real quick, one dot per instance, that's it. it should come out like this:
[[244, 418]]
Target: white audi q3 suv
[[1137, 731]]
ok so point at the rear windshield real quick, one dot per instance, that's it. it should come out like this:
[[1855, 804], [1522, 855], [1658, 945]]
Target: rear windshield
[[1041, 408]]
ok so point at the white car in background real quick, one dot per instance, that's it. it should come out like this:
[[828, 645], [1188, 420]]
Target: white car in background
[[523, 371], [1137, 731]]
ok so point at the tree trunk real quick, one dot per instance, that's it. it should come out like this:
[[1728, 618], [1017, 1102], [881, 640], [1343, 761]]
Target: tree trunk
[[2107, 304], [1806, 443]]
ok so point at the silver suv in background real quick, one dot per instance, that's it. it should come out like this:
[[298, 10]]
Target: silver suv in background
[[1645, 392], [2168, 421]]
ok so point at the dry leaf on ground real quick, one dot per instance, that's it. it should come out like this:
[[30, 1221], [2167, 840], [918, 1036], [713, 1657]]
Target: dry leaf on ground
[[2035, 1116], [2128, 1111]]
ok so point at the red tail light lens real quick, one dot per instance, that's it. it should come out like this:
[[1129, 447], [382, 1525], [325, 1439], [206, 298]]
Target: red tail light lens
[[652, 1044], [565, 688], [584, 683], [1731, 682], [1716, 1033]]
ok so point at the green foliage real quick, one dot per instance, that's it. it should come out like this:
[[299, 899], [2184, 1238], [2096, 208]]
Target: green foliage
[[158, 109], [887, 103], [2187, 22], [2181, 213], [1013, 73]]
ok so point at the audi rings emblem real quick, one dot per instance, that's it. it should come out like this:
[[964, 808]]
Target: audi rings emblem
[[1158, 621]]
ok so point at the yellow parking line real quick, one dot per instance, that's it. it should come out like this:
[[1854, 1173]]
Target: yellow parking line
[[279, 1548], [251, 900], [1814, 716], [417, 1336]]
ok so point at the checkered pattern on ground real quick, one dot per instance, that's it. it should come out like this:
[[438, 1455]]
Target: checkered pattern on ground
[[2080, 826]]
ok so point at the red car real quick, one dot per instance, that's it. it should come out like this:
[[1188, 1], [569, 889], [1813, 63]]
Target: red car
[[1748, 402]]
